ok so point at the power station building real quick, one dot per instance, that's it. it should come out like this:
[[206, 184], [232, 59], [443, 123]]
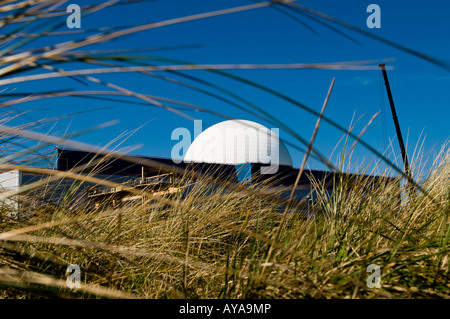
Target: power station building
[[234, 151]]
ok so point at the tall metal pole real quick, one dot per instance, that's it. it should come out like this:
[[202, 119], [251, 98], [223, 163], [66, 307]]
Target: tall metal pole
[[397, 125]]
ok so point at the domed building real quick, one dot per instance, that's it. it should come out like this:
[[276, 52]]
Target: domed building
[[240, 143], [236, 142], [230, 151]]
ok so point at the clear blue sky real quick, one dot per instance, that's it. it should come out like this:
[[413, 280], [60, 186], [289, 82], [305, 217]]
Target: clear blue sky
[[420, 89]]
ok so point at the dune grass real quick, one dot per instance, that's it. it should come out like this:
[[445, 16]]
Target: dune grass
[[219, 240], [215, 244]]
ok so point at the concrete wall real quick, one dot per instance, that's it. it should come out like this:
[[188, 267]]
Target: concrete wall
[[9, 181], [67, 191]]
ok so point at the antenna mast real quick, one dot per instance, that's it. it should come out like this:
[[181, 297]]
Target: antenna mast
[[397, 125]]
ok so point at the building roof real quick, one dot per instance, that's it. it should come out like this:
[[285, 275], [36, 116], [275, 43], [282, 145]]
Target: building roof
[[236, 142], [70, 159], [285, 175]]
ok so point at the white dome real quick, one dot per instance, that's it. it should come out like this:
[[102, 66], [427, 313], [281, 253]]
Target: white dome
[[236, 142]]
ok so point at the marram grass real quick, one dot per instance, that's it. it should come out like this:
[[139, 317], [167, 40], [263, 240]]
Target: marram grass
[[218, 241], [215, 243]]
